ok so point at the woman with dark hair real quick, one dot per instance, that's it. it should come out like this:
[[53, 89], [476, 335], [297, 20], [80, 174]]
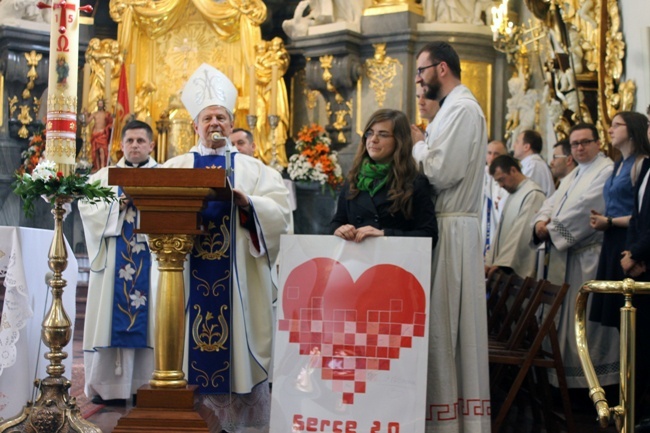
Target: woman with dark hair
[[628, 134], [385, 195]]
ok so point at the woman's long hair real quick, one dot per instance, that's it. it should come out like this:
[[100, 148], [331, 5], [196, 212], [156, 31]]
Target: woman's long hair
[[403, 167], [637, 131]]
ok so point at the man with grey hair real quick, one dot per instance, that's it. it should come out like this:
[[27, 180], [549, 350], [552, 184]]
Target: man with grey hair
[[235, 260]]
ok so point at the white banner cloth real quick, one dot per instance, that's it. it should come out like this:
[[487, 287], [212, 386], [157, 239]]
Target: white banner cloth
[[352, 335], [23, 263]]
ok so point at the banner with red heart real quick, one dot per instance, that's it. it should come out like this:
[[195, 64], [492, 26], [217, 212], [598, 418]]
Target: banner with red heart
[[352, 322]]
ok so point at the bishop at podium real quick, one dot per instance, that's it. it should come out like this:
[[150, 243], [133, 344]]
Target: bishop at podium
[[229, 277]]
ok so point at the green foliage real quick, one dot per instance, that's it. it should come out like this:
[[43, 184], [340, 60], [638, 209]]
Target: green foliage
[[49, 184]]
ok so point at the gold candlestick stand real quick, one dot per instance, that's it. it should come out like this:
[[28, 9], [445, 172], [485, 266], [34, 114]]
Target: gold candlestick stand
[[274, 121], [54, 410], [251, 119]]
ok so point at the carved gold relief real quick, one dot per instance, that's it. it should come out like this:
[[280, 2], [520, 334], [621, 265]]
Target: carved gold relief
[[381, 70], [341, 122], [12, 105], [326, 64], [25, 119], [32, 60]]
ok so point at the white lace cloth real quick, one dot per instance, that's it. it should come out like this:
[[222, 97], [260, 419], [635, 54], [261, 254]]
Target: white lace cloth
[[238, 413], [23, 264]]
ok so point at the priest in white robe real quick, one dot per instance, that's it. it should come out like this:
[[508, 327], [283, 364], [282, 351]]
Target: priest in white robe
[[527, 149], [574, 248], [511, 249], [118, 353], [494, 197], [229, 275], [453, 158]]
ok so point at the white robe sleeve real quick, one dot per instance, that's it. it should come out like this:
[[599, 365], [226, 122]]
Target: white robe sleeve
[[100, 221], [445, 160]]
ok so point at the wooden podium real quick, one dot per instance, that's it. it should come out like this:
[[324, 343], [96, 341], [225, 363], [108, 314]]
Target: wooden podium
[[169, 201]]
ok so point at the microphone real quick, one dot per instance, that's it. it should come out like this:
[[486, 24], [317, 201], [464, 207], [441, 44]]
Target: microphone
[[216, 136]]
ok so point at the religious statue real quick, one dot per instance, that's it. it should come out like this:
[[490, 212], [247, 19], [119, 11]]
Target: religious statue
[[23, 10], [102, 122], [268, 54], [317, 12], [457, 11]]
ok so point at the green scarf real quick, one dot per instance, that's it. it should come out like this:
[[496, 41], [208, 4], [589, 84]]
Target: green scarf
[[372, 177]]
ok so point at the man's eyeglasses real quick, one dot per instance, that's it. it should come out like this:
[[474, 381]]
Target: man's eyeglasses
[[559, 156], [582, 143], [420, 69], [381, 134]]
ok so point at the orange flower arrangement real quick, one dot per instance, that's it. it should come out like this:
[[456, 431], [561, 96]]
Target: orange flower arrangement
[[33, 155], [315, 162]]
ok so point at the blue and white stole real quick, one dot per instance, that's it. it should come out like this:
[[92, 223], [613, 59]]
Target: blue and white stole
[[210, 298], [131, 287]]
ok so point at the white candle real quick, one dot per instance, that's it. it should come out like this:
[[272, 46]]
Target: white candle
[[273, 109], [107, 85], [86, 87], [132, 88], [252, 90]]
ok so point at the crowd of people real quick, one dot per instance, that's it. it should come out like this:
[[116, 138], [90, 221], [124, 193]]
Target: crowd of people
[[485, 207]]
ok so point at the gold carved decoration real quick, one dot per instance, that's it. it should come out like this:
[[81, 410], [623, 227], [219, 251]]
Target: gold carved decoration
[[267, 55], [32, 60], [381, 70], [12, 105], [583, 55], [204, 333], [25, 119], [326, 64], [100, 53], [340, 121], [382, 7]]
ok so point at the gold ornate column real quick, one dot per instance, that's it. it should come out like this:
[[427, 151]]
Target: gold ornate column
[[171, 251]]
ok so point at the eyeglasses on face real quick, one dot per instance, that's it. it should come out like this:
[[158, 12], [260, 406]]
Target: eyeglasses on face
[[582, 143], [559, 156], [422, 68], [381, 134]]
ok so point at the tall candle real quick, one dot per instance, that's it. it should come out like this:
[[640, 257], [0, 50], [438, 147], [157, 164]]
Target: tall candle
[[62, 86], [252, 90], [132, 88], [273, 109], [107, 85], [86, 87]]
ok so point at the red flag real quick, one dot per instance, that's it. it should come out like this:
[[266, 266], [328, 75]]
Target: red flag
[[121, 114], [122, 109]]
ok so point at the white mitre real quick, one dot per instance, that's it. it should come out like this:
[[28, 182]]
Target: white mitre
[[206, 87]]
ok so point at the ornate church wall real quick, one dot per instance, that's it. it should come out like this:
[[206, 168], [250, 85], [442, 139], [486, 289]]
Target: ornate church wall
[[636, 28]]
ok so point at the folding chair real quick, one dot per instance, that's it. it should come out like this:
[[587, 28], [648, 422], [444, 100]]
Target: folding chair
[[509, 306], [523, 350]]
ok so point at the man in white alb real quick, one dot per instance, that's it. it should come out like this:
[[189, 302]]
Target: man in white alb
[[574, 247], [453, 158]]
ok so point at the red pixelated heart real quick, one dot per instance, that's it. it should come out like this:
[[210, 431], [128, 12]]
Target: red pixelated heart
[[351, 327]]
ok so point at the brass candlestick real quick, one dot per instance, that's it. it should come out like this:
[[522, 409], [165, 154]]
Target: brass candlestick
[[54, 410], [274, 121]]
